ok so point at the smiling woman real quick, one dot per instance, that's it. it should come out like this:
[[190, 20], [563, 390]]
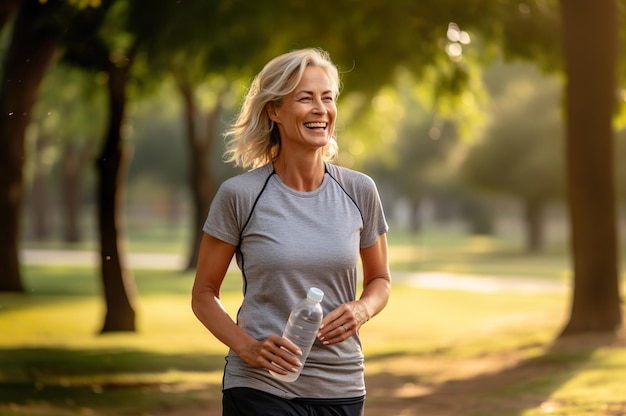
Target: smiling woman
[[311, 104], [253, 139], [305, 120], [294, 222]]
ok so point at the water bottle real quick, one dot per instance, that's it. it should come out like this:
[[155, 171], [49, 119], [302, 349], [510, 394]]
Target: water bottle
[[301, 329]]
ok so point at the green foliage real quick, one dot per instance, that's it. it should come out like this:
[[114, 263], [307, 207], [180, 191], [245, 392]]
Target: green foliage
[[70, 111], [85, 3], [531, 31], [372, 44], [195, 39], [83, 47]]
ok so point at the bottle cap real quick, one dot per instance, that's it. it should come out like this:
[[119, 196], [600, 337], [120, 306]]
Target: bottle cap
[[315, 295]]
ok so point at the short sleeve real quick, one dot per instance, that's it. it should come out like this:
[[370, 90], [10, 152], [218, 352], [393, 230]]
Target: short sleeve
[[221, 221], [374, 222]]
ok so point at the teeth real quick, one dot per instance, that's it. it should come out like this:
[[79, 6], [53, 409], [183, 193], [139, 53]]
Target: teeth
[[315, 125]]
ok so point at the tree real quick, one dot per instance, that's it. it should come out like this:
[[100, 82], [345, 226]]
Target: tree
[[67, 119], [591, 66], [200, 143], [119, 293], [207, 53], [544, 32], [33, 44], [99, 42]]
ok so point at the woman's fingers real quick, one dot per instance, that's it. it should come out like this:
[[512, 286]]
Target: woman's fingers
[[340, 324], [279, 355]]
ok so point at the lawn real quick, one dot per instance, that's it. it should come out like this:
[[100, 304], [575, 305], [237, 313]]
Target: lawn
[[430, 352]]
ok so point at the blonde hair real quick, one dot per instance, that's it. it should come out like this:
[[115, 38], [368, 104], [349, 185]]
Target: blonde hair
[[253, 139]]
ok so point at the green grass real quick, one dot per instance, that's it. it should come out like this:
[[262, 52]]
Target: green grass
[[479, 354], [53, 362], [454, 252]]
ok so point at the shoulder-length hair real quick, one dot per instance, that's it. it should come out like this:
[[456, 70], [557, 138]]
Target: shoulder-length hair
[[253, 139]]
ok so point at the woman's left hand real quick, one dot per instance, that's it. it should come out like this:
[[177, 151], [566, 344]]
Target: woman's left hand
[[342, 323]]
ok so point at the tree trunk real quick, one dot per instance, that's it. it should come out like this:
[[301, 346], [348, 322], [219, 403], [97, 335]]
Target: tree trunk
[[31, 50], [201, 181], [415, 214], [117, 282], [40, 209], [590, 50], [73, 167], [533, 219]]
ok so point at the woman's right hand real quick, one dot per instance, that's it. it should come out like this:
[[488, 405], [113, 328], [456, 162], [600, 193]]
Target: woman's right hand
[[274, 353]]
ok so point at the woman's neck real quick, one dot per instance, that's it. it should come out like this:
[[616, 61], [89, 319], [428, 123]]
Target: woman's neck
[[301, 175]]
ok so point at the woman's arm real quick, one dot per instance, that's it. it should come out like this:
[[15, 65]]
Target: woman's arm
[[213, 261], [345, 320]]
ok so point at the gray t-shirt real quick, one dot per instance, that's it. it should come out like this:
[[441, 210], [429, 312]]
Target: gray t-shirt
[[288, 242]]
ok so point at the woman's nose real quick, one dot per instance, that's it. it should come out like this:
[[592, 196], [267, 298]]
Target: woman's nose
[[319, 107]]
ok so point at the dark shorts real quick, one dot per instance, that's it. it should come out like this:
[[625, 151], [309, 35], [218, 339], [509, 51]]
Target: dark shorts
[[243, 401]]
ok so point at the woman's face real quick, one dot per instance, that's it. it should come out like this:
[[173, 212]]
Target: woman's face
[[306, 116]]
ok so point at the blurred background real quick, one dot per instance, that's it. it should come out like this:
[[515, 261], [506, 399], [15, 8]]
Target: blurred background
[[114, 113], [456, 110]]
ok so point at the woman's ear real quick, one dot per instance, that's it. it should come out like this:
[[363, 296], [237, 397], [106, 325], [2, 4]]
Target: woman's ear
[[271, 112]]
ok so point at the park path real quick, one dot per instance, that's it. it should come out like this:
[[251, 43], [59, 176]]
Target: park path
[[432, 280]]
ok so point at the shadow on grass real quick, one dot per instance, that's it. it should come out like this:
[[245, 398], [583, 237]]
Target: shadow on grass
[[114, 381], [508, 390], [130, 382]]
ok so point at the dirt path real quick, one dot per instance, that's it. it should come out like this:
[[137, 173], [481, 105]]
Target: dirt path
[[475, 283]]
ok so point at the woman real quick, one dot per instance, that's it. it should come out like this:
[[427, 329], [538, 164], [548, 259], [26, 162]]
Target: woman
[[294, 221]]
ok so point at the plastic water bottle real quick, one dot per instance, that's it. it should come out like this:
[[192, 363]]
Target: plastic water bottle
[[301, 329]]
